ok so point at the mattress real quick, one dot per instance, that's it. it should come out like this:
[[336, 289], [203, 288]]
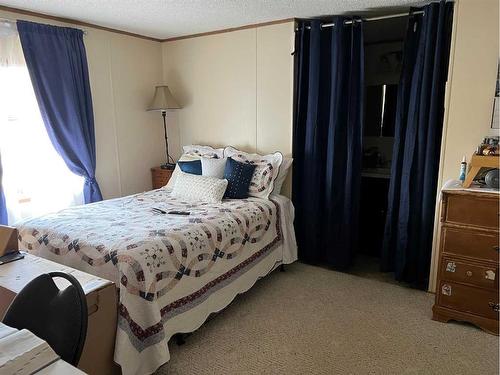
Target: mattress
[[172, 271]]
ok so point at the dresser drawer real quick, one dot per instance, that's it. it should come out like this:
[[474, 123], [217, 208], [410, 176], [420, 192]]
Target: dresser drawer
[[472, 210], [464, 272], [470, 243], [468, 299]]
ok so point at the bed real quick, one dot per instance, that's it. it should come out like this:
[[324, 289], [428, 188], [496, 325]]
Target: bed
[[172, 271]]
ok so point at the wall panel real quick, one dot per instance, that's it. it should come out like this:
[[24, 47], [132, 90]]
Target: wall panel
[[235, 88]]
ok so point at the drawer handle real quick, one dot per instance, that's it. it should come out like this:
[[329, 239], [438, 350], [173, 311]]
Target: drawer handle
[[494, 306], [490, 275], [446, 290], [469, 273], [451, 267]]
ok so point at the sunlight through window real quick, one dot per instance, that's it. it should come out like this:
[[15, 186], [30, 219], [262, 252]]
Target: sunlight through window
[[36, 180]]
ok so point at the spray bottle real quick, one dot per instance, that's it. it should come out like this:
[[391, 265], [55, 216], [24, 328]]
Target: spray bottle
[[463, 169]]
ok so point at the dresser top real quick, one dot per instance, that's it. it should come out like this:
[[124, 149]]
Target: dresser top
[[455, 187], [492, 193]]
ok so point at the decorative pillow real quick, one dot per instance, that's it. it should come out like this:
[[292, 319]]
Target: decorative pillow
[[278, 183], [192, 167], [238, 176], [203, 151], [213, 167], [199, 188], [266, 170]]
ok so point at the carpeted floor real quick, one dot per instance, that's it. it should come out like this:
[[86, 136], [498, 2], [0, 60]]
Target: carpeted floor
[[311, 320]]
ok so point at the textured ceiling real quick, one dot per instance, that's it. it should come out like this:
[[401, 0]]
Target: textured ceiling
[[169, 18]]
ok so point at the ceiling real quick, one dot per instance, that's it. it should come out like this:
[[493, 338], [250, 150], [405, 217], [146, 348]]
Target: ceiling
[[164, 19]]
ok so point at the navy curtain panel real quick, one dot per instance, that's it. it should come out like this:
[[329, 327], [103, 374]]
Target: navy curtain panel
[[409, 225], [327, 136], [57, 64]]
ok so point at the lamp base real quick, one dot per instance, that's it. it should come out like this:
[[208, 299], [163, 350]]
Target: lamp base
[[169, 166]]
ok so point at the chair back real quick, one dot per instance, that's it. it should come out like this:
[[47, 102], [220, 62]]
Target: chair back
[[57, 316]]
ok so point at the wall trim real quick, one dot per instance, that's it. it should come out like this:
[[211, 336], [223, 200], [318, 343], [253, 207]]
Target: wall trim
[[76, 22], [436, 238], [228, 30], [123, 32]]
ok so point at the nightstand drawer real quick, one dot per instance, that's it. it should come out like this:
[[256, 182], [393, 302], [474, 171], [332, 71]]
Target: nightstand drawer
[[471, 243], [468, 299], [468, 273], [159, 182], [160, 177], [162, 173]]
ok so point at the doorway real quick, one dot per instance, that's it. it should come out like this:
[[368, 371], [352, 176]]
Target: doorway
[[383, 42]]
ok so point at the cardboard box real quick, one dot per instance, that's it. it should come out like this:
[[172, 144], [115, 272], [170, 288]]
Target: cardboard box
[[98, 352], [8, 239]]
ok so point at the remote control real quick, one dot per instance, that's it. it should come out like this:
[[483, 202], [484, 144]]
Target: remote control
[[185, 213]]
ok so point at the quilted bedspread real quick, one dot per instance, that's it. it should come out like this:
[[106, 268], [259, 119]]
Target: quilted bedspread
[[164, 264]]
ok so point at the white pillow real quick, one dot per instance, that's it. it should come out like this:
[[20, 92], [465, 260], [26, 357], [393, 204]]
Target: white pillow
[[199, 188], [170, 184], [278, 183], [266, 170], [213, 167]]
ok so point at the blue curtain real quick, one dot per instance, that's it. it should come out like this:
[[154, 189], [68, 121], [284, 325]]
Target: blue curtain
[[419, 123], [57, 64], [3, 207], [327, 136]]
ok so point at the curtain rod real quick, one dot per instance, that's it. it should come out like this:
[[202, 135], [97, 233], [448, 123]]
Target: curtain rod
[[349, 22], [10, 20]]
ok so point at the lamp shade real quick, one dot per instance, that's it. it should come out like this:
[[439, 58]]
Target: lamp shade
[[163, 100]]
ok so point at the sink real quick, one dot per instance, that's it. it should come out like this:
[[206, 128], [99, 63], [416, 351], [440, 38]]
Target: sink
[[376, 172]]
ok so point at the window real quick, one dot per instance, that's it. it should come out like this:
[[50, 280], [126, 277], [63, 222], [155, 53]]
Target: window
[[35, 180]]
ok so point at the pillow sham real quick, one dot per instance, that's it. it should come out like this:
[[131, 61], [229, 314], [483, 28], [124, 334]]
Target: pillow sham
[[203, 151], [238, 176], [192, 167], [280, 180], [266, 170], [213, 167], [193, 187]]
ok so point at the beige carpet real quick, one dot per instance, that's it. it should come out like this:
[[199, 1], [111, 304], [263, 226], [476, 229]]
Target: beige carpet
[[310, 320]]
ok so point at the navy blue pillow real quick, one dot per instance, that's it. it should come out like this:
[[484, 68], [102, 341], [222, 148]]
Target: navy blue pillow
[[238, 176], [192, 167]]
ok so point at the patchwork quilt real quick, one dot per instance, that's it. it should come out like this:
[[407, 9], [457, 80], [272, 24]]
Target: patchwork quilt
[[164, 265]]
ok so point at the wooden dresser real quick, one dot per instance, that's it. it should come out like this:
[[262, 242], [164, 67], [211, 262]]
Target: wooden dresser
[[467, 284], [160, 176]]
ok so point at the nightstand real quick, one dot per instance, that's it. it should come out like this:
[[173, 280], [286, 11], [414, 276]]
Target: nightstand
[[160, 176]]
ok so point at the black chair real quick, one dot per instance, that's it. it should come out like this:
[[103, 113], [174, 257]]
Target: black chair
[[56, 316]]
